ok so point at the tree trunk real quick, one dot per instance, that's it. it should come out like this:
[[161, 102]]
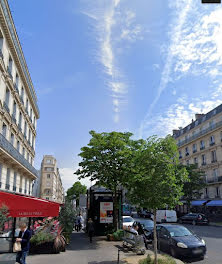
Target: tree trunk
[[115, 212], [155, 239]]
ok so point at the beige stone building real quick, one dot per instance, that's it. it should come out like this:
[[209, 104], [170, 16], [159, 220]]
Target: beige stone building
[[18, 111], [51, 184], [201, 142]]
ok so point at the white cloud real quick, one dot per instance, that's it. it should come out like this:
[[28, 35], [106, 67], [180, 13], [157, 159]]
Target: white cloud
[[113, 24], [69, 178], [175, 34]]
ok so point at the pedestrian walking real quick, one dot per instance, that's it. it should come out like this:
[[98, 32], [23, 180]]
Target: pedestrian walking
[[80, 221], [23, 238], [90, 229]]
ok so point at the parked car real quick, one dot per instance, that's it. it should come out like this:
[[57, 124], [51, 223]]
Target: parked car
[[127, 213], [145, 214], [127, 221], [147, 224], [166, 216], [194, 219], [133, 213], [180, 242]]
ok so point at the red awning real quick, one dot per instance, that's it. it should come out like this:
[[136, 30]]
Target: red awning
[[26, 206]]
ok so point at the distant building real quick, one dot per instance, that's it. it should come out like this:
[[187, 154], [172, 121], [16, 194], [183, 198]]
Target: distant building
[[36, 185], [18, 111], [51, 184], [200, 143]]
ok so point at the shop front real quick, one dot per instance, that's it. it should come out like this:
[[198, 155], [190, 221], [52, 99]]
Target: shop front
[[22, 208]]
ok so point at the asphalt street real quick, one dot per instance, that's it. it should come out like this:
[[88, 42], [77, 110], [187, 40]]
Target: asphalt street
[[213, 238]]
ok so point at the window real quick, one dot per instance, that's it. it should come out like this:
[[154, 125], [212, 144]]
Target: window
[[31, 114], [31, 161], [0, 175], [14, 109], [25, 185], [34, 121], [33, 141], [25, 129], [215, 173], [20, 119], [12, 139], [22, 95], [7, 185], [195, 160], [4, 130], [215, 111], [48, 176], [180, 154], [18, 146], [28, 156], [217, 192], [27, 105], [188, 162], [29, 135], [49, 161], [212, 141], [14, 181], [7, 96], [20, 184], [23, 152], [17, 80], [196, 122], [30, 188], [10, 64], [202, 145], [1, 43], [213, 156], [187, 151], [204, 118], [48, 169], [203, 159], [194, 148]]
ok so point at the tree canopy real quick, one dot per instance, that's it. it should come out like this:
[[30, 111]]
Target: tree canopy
[[76, 190]]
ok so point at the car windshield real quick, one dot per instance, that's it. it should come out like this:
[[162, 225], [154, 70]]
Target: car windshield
[[179, 231], [127, 219], [147, 223]]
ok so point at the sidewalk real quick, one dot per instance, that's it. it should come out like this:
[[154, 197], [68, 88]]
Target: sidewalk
[[80, 251]]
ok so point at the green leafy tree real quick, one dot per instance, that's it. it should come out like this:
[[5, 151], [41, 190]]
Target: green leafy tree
[[193, 188], [76, 190], [157, 181], [3, 215], [107, 159]]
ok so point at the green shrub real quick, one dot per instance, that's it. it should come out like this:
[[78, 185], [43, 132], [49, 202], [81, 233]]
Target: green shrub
[[41, 238], [118, 235], [165, 260]]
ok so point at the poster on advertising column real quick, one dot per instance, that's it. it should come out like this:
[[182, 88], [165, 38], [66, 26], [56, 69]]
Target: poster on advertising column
[[106, 212]]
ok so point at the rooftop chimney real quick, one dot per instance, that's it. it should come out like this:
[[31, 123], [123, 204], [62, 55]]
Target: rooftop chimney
[[175, 131], [197, 116]]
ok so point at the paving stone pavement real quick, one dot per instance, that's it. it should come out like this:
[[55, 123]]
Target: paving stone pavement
[[81, 251]]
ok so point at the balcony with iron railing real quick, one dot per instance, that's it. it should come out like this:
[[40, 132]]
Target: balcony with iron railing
[[6, 107], [214, 180], [212, 143], [200, 133], [203, 163], [9, 72], [9, 148]]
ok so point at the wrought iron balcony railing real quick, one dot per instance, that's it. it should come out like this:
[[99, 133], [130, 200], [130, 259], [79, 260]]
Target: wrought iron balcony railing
[[214, 180], [201, 148], [16, 88], [200, 133], [212, 143], [8, 147], [6, 107]]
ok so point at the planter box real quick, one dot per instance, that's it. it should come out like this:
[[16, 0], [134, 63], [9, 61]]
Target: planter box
[[44, 248]]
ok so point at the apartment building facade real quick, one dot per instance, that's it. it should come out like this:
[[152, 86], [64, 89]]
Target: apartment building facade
[[51, 183], [201, 143], [18, 111]]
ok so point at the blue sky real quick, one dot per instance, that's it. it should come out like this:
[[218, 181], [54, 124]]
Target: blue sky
[[140, 66]]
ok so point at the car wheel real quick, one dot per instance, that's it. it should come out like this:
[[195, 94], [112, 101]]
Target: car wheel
[[173, 252], [180, 221], [194, 222]]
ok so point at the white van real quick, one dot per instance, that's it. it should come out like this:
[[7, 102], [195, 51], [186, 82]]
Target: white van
[[166, 216]]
